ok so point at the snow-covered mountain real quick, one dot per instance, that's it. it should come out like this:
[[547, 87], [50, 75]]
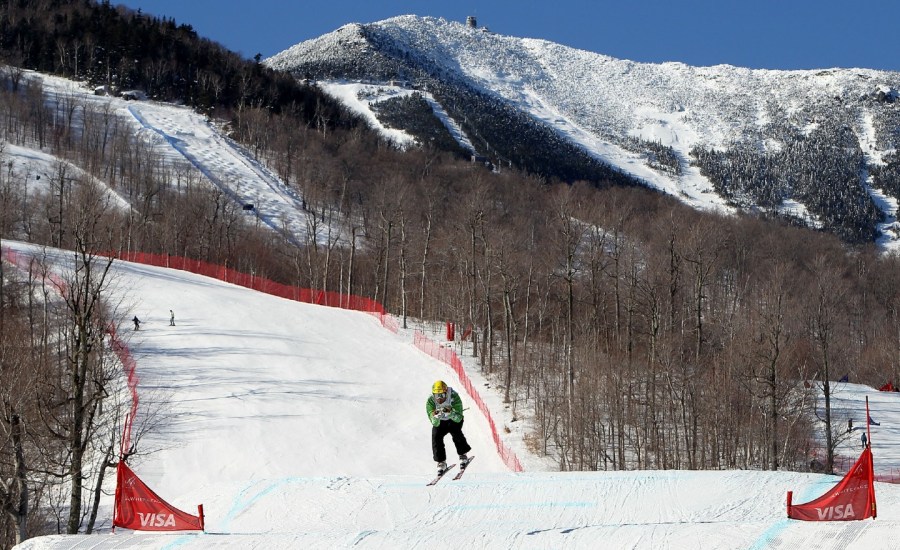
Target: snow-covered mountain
[[716, 137]]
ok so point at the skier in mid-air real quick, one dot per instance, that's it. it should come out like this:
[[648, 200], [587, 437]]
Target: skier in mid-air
[[445, 411]]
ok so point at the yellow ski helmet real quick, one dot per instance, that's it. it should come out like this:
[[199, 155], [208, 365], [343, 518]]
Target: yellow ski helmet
[[439, 387]]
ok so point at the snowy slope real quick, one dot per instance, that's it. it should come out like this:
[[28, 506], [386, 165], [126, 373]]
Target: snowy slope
[[359, 97], [300, 426], [180, 136]]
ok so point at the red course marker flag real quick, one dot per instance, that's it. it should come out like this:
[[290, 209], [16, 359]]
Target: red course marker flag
[[851, 499], [139, 508]]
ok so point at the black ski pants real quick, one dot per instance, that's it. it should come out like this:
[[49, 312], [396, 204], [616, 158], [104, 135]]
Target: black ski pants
[[437, 439]]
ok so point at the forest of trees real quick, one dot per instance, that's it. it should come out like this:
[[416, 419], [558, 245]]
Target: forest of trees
[[632, 331], [818, 161], [108, 45], [415, 116]]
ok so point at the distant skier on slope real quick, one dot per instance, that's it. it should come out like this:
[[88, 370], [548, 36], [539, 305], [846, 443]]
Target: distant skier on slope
[[445, 411]]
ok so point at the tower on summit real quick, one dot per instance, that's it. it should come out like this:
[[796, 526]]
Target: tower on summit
[[471, 22]]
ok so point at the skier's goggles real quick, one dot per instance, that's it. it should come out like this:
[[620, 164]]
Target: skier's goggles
[[440, 396]]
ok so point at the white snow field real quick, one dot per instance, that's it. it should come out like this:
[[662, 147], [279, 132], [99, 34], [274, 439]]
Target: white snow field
[[302, 426]]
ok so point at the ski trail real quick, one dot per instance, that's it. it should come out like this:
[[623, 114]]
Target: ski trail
[[890, 228], [229, 167]]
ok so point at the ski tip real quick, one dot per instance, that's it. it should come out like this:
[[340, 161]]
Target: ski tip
[[463, 468]]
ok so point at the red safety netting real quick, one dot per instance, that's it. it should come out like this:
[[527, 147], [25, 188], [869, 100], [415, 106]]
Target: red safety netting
[[136, 505], [325, 298], [319, 297], [27, 262], [130, 367], [449, 357]]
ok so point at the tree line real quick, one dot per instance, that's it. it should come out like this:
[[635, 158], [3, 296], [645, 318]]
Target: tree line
[[822, 169], [113, 46]]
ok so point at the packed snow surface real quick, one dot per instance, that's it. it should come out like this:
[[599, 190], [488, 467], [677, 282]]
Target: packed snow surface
[[302, 426]]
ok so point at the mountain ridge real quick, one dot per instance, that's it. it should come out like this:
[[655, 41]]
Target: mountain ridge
[[651, 123]]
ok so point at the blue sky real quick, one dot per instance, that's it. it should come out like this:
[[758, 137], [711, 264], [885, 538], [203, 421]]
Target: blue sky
[[758, 34]]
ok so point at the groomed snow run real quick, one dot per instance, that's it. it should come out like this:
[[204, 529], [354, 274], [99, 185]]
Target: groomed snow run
[[302, 426]]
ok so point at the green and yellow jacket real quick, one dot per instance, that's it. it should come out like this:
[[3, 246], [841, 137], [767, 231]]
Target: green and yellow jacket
[[450, 409]]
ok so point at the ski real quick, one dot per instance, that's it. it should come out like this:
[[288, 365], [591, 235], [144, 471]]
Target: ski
[[438, 478], [462, 468]]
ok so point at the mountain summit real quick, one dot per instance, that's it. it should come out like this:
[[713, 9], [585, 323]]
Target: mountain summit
[[818, 147]]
